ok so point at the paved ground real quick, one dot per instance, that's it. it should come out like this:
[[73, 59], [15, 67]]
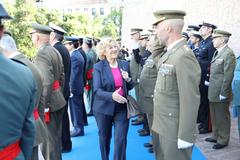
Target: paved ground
[[231, 152]]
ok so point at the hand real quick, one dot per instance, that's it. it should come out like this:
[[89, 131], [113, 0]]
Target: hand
[[125, 76], [222, 97], [117, 97], [206, 83], [183, 144]]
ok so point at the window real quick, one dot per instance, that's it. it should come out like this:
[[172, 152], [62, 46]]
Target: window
[[93, 11], [101, 11], [85, 9], [77, 9], [69, 10]]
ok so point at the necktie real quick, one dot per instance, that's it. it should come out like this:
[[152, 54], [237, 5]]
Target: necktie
[[215, 54]]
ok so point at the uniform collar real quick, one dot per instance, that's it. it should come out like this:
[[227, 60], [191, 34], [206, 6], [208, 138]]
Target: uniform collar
[[174, 44], [221, 48]]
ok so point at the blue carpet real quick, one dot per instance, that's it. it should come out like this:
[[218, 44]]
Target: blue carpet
[[87, 147]]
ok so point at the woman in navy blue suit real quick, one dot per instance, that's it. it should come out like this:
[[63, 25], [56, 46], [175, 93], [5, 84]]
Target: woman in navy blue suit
[[111, 83]]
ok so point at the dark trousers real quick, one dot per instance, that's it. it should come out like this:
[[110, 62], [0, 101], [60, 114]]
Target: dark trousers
[[145, 123], [54, 138], [66, 139], [120, 122], [203, 111], [77, 110], [35, 153]]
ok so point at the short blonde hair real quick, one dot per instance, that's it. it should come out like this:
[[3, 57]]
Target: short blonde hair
[[103, 45]]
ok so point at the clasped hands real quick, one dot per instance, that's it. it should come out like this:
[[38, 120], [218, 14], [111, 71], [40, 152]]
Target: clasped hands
[[117, 97]]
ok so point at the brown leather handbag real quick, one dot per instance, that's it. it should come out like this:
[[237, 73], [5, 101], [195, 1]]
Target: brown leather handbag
[[132, 107]]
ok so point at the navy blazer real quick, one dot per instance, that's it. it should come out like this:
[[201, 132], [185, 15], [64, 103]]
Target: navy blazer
[[85, 63], [67, 66], [103, 86], [77, 71]]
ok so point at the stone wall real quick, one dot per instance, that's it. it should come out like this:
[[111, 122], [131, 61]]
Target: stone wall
[[224, 13]]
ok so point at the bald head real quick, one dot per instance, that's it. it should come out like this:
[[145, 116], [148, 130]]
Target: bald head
[[176, 25], [169, 30]]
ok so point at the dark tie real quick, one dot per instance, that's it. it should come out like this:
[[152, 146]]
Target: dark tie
[[215, 54]]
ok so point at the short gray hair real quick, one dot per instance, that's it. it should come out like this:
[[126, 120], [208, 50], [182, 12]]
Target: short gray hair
[[8, 43]]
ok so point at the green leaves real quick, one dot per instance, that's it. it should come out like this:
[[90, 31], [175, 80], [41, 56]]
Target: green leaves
[[25, 12]]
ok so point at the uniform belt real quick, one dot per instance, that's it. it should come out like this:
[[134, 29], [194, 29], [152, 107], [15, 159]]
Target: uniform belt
[[89, 74], [35, 114], [10, 152], [56, 85], [47, 115]]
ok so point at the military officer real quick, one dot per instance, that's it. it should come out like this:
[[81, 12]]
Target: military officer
[[49, 61], [147, 84], [135, 66], [220, 90], [76, 83], [195, 39], [56, 38], [10, 51], [206, 50], [176, 97], [91, 60], [17, 100]]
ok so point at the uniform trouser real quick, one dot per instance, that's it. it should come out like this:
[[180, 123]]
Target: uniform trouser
[[89, 99], [77, 109], [55, 132], [120, 123], [166, 149], [150, 121], [221, 123], [153, 133], [35, 153], [238, 113], [145, 123], [66, 139], [203, 111]]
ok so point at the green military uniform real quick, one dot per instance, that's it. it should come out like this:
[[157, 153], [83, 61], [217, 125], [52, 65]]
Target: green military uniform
[[41, 130], [49, 61], [147, 82], [176, 97], [221, 75], [17, 93], [135, 67]]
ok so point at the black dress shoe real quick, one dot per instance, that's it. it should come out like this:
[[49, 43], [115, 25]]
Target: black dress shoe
[[90, 114], [134, 120], [138, 122], [200, 126], [150, 150], [219, 146], [144, 133], [66, 150], [148, 145], [211, 140], [77, 132], [203, 131], [140, 130]]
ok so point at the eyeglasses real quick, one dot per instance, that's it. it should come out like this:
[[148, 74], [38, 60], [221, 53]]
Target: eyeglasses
[[31, 33]]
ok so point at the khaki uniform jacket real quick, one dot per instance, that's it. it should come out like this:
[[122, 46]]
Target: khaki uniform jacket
[[136, 68], [147, 83], [221, 75], [40, 128], [49, 61], [177, 97]]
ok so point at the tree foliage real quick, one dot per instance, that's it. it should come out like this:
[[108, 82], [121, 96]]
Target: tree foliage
[[25, 12]]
